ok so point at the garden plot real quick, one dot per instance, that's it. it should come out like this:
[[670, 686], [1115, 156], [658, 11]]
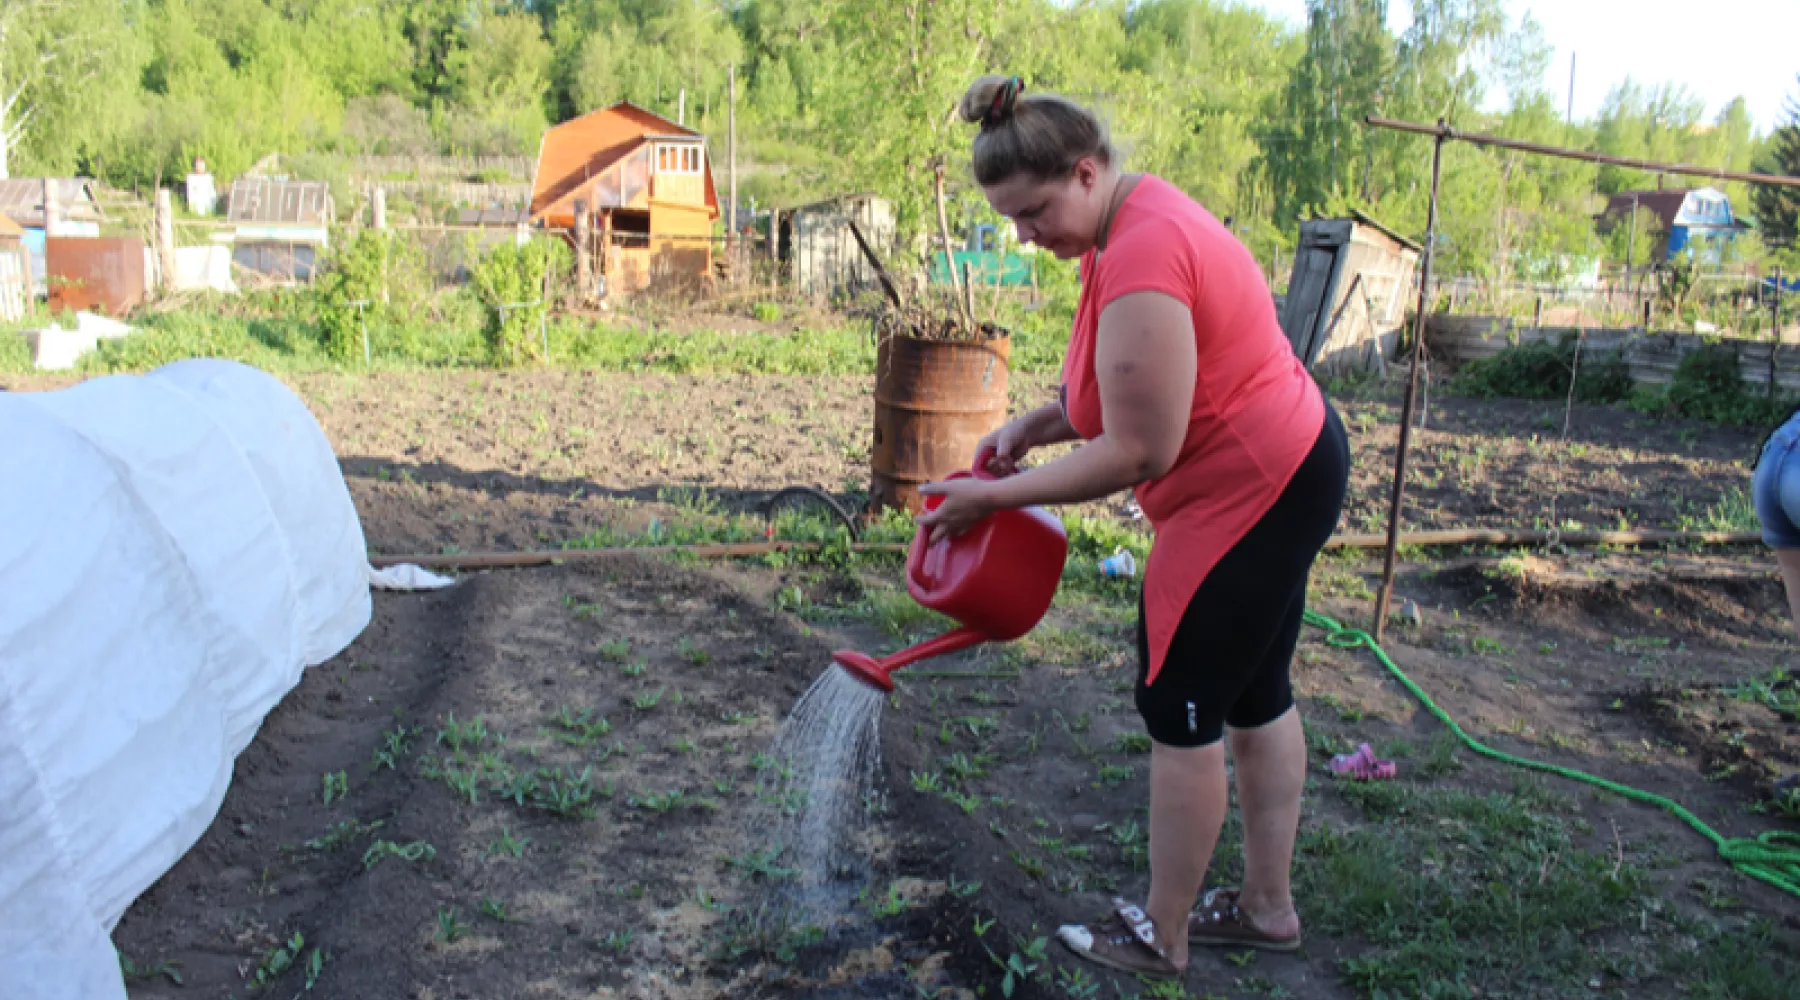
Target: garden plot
[[546, 783], [466, 461]]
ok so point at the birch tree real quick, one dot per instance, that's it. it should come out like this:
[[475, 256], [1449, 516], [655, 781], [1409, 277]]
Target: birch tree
[[67, 71]]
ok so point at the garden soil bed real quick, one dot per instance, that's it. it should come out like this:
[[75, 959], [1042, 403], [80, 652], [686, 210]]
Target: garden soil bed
[[1038, 820], [448, 461], [1022, 774]]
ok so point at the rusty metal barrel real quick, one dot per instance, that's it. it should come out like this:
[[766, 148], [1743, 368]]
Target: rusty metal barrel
[[934, 400]]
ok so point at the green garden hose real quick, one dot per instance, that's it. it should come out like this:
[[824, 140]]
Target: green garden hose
[[1773, 857]]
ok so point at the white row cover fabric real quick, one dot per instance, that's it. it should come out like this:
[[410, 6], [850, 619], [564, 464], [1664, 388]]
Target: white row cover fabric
[[407, 577], [175, 548]]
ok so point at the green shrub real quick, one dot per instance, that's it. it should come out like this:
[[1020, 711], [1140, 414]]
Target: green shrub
[[1541, 371], [766, 312], [371, 281], [273, 343], [1707, 386], [15, 353], [510, 280]]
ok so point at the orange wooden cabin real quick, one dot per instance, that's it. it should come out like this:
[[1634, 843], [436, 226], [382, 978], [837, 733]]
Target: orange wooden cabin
[[647, 188]]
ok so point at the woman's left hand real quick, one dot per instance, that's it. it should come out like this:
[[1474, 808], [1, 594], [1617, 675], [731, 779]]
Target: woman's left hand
[[966, 501]]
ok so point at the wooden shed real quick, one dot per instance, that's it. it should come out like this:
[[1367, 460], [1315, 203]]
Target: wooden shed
[[1346, 300], [821, 252], [15, 271], [648, 190]]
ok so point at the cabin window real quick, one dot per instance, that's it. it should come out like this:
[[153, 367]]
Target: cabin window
[[672, 159]]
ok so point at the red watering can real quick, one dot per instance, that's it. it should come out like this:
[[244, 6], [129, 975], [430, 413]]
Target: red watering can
[[997, 579]]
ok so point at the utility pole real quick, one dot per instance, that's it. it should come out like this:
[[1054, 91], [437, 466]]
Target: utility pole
[[1631, 241], [1571, 119], [731, 226], [681, 108]]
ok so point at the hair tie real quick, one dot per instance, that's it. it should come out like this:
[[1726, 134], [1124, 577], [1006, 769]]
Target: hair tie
[[1004, 99]]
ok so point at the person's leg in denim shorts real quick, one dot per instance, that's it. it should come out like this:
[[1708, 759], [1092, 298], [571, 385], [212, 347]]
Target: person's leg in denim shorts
[[1776, 492]]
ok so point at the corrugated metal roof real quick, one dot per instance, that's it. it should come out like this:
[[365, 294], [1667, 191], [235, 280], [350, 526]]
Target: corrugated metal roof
[[492, 216], [22, 198], [265, 201]]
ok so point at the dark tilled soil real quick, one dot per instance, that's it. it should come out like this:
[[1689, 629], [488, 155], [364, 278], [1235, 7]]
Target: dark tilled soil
[[594, 903], [477, 461], [1578, 662], [1554, 679]]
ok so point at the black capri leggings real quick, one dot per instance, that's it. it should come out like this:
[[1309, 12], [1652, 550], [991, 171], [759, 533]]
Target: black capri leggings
[[1227, 664]]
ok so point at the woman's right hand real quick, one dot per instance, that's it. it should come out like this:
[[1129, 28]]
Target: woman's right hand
[[1009, 445]]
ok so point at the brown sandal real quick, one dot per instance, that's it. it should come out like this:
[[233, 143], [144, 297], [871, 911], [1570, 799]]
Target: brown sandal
[[1125, 941], [1220, 922]]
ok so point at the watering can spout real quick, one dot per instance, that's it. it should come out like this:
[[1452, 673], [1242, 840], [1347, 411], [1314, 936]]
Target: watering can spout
[[996, 580], [880, 673]]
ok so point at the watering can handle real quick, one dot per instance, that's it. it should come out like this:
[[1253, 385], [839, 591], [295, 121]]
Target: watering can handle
[[980, 468]]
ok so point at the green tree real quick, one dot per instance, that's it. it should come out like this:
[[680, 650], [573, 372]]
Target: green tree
[[1778, 208], [1652, 123], [499, 75], [1317, 148], [1209, 82], [887, 110], [67, 78]]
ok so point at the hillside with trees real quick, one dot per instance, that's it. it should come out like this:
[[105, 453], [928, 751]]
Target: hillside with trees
[[1259, 121]]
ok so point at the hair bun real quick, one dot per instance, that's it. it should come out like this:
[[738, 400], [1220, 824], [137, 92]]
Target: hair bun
[[990, 100]]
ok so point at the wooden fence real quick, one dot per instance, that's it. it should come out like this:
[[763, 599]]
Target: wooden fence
[[460, 193], [1651, 357], [424, 167]]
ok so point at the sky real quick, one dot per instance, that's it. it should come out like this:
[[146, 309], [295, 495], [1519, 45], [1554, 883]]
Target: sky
[[1720, 49]]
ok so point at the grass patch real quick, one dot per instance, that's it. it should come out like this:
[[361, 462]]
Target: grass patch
[[1778, 690], [286, 330], [1733, 511], [900, 617], [1454, 891]]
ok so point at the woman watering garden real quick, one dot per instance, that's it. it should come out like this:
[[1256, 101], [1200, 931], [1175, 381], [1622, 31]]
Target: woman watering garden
[[1178, 382]]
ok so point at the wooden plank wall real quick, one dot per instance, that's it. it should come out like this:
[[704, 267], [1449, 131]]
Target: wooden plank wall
[[1651, 356]]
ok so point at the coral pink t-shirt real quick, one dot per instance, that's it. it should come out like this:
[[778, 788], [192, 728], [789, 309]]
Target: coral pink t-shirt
[[1256, 411]]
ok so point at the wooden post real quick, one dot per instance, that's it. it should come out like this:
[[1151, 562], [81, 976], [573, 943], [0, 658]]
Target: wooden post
[[1537, 314], [774, 248], [165, 238], [731, 219], [606, 242], [52, 210], [380, 209], [1646, 314], [584, 261], [968, 298], [1631, 240], [949, 252], [1775, 304]]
